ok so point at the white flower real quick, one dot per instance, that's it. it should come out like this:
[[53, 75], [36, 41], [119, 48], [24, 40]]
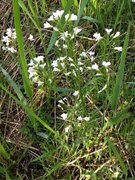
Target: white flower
[[133, 0], [79, 118], [51, 18], [80, 63], [116, 35], [62, 64], [31, 69], [67, 74], [118, 48], [11, 49], [32, 73], [55, 69], [67, 16], [35, 79], [91, 53], [65, 46], [83, 54], [14, 35], [40, 83], [31, 38], [106, 64], [4, 48], [76, 30], [61, 101], [103, 88], [47, 25], [95, 67], [64, 116], [97, 36], [39, 59], [86, 118], [98, 74], [73, 17], [62, 58], [58, 14], [57, 43], [64, 35], [42, 65], [31, 63], [67, 129], [108, 30], [9, 32], [81, 69], [55, 29], [6, 40], [55, 63], [76, 93]]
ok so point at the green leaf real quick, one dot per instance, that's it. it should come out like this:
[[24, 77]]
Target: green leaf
[[91, 19], [120, 74], [64, 3], [14, 85], [97, 13], [117, 155], [82, 6], [22, 59], [7, 176]]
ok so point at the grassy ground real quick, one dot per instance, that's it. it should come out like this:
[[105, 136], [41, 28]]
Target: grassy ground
[[67, 93]]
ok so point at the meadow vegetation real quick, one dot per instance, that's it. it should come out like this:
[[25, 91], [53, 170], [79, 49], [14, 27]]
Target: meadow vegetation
[[67, 90]]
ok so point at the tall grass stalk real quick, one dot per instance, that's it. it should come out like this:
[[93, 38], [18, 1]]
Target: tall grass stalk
[[22, 58]]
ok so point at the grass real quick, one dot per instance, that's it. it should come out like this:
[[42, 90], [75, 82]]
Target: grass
[[79, 121]]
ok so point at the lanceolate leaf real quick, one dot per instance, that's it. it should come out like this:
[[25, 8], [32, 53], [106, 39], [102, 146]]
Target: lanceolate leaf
[[117, 155], [120, 74], [14, 85], [82, 6]]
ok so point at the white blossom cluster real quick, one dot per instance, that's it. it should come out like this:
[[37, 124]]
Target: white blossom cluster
[[36, 66], [9, 40], [50, 23], [57, 15]]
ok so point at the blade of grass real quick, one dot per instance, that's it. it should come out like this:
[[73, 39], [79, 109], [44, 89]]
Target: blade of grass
[[117, 155], [119, 13], [120, 74], [14, 85], [91, 19], [3, 152], [98, 14], [76, 4], [82, 6], [63, 3], [22, 60]]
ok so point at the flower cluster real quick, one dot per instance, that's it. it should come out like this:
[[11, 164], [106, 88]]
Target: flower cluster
[[9, 40], [36, 65], [50, 23], [58, 14]]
